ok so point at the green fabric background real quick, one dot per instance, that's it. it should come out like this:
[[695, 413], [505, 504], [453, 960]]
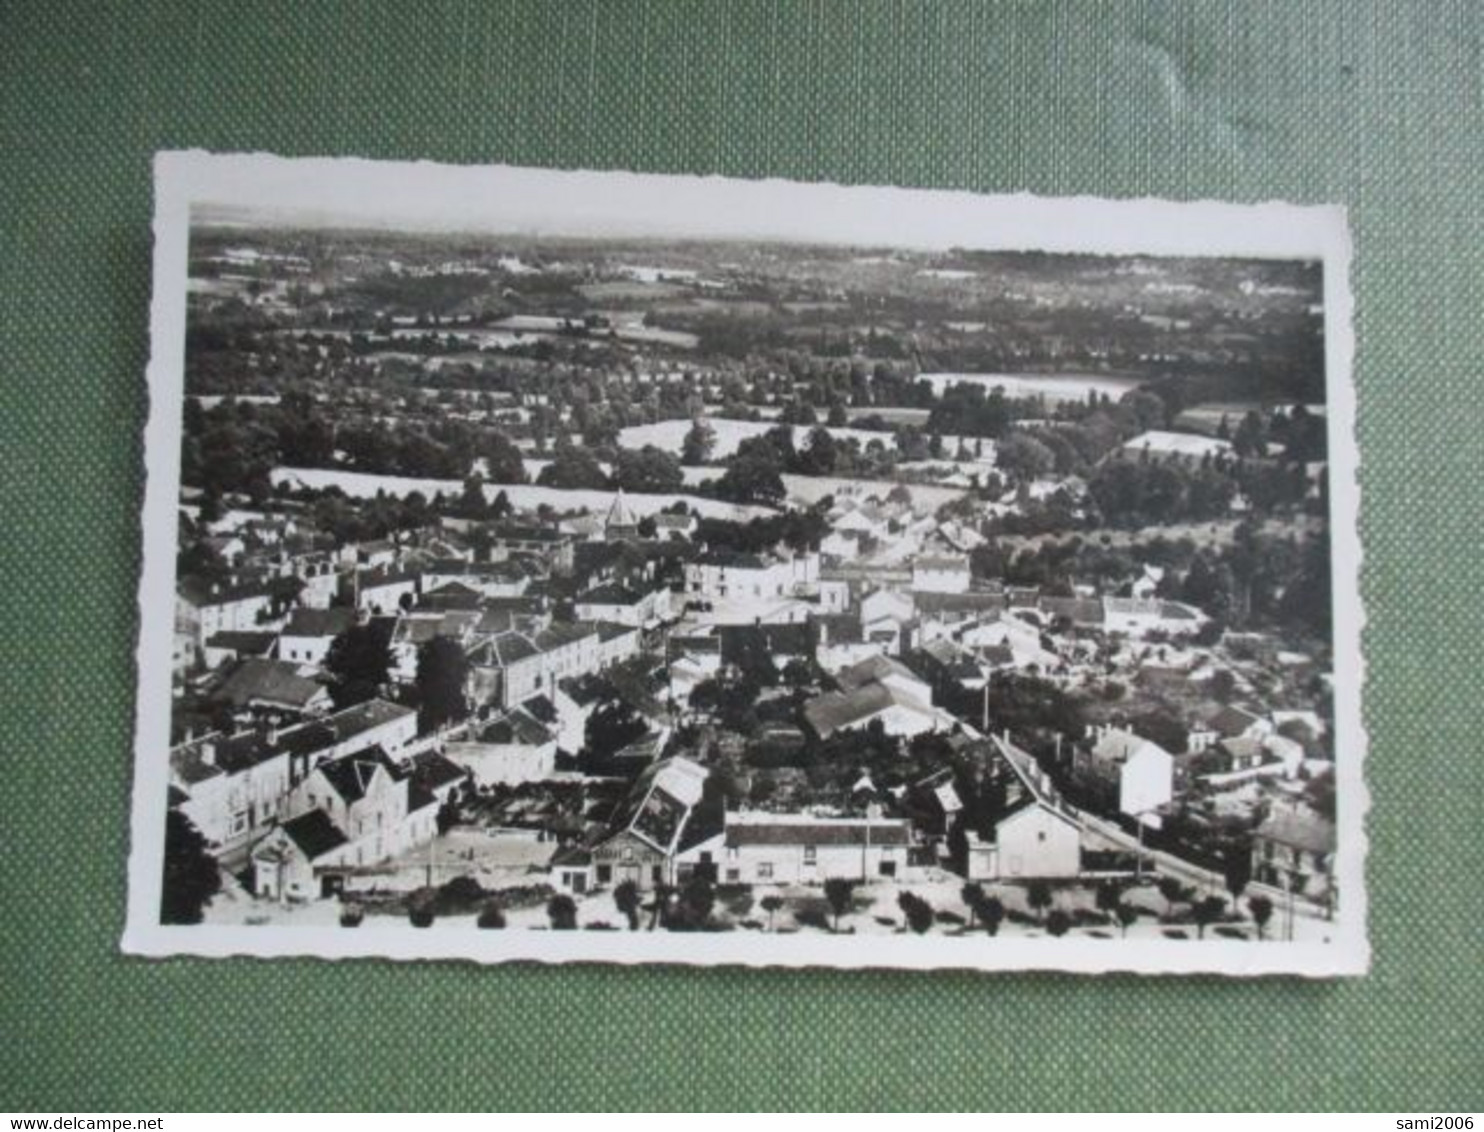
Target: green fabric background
[[1377, 106]]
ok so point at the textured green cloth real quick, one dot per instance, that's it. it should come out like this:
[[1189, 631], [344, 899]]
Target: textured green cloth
[[1376, 106]]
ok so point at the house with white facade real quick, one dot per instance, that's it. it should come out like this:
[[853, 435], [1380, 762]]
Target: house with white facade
[[512, 748], [309, 632], [373, 805], [730, 575], [1116, 763], [625, 604], [527, 664], [941, 573], [793, 849], [234, 787], [1037, 836]]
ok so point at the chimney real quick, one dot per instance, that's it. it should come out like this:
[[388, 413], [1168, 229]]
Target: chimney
[[208, 753], [272, 736]]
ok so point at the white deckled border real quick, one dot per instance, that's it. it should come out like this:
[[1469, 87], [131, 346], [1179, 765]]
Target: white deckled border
[[351, 192]]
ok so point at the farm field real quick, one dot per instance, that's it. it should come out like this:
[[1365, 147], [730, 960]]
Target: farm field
[[670, 435], [364, 485], [1056, 388]]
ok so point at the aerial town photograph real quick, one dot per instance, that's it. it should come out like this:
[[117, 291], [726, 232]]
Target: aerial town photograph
[[539, 584]]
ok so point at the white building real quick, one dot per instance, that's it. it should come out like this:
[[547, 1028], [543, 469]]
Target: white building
[[764, 848], [941, 573], [531, 664], [307, 636], [515, 747], [751, 577], [235, 787]]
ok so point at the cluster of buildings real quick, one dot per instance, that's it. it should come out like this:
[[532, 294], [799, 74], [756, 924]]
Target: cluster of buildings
[[296, 796]]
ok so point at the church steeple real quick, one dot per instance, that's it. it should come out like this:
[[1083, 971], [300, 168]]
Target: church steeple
[[620, 523]]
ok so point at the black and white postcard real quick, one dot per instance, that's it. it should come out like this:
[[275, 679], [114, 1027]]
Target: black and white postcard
[[582, 566]]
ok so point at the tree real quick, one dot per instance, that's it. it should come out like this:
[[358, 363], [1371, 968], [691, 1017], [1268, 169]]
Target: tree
[[1038, 898], [649, 469], [472, 502], [798, 673], [1173, 892], [992, 914], [771, 905], [626, 898], [358, 662], [820, 453], [1126, 914], [442, 673], [972, 895], [612, 727], [1238, 872], [837, 890], [491, 916], [919, 912], [1262, 911], [1024, 456], [699, 442], [698, 899], [1251, 436], [1223, 685], [661, 906], [503, 462], [1207, 912], [1109, 896], [751, 479], [1058, 923], [573, 467], [191, 874], [561, 909]]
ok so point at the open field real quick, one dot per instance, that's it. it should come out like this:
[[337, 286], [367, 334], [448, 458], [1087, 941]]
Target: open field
[[364, 485], [1054, 387], [670, 435]]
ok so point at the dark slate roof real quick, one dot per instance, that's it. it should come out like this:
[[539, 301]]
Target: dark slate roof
[[928, 603], [432, 771], [834, 711], [511, 532], [790, 640], [273, 681], [1231, 720], [244, 642], [454, 592], [611, 630], [884, 833], [613, 593], [541, 709], [319, 622], [871, 669], [515, 727], [350, 775], [733, 560], [314, 834], [838, 628], [200, 591]]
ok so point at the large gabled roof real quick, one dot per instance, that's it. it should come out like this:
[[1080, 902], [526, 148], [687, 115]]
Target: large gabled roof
[[1298, 829], [351, 775], [874, 669], [791, 829], [306, 622], [256, 679], [835, 711], [314, 834]]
